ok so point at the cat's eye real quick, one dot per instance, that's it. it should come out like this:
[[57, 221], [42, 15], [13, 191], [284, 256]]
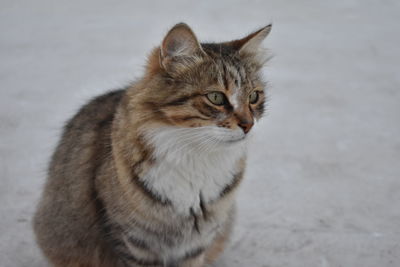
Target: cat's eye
[[217, 98], [253, 97]]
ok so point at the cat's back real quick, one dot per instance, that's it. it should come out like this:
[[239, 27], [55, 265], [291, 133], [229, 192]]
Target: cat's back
[[89, 127], [69, 190], [85, 136]]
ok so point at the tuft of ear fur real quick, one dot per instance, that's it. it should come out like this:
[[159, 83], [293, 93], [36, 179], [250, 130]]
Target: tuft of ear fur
[[179, 49], [251, 44]]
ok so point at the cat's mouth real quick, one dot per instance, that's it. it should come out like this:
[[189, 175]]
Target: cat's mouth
[[236, 140], [235, 137]]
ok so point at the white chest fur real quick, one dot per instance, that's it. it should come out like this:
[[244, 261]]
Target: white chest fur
[[190, 163]]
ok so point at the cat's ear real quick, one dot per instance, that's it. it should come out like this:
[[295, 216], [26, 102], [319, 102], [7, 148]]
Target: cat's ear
[[251, 44], [180, 42]]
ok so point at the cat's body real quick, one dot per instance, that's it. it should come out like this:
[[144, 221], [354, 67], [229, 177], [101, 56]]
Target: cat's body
[[144, 177]]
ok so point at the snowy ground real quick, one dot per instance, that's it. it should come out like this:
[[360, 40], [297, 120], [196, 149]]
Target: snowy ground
[[323, 180]]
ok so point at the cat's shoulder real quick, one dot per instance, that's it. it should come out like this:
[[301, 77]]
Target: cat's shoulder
[[96, 112]]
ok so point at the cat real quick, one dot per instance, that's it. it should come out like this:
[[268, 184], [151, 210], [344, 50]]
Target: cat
[[146, 175]]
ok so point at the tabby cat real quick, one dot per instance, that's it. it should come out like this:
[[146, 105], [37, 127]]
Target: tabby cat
[[145, 176]]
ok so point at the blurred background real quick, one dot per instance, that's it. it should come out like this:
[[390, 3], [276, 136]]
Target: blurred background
[[323, 179]]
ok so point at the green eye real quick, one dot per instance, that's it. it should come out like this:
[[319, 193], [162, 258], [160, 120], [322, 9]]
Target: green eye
[[217, 98], [253, 97]]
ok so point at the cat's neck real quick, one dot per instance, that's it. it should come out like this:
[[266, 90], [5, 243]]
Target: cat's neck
[[185, 171]]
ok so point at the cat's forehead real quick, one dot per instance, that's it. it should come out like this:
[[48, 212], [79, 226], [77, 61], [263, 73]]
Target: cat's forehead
[[222, 69], [233, 76], [229, 66]]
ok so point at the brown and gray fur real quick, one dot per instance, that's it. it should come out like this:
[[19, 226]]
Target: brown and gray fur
[[97, 208]]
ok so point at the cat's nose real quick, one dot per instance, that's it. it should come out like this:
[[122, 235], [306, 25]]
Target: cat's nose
[[246, 125]]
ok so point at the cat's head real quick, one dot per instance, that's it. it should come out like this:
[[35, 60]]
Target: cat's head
[[213, 88]]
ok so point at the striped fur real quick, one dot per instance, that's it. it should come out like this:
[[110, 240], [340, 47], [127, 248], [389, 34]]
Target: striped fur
[[146, 176]]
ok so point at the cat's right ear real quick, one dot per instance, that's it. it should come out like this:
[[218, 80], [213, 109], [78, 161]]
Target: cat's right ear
[[179, 45]]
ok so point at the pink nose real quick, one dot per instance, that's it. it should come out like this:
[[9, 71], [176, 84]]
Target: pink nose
[[246, 126]]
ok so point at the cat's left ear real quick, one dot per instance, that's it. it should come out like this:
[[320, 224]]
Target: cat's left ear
[[251, 44], [179, 43]]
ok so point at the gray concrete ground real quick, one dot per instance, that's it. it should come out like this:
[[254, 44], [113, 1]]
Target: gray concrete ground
[[323, 180]]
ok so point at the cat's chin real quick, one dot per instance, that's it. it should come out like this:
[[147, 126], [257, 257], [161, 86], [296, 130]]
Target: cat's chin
[[239, 138], [236, 141], [232, 139]]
